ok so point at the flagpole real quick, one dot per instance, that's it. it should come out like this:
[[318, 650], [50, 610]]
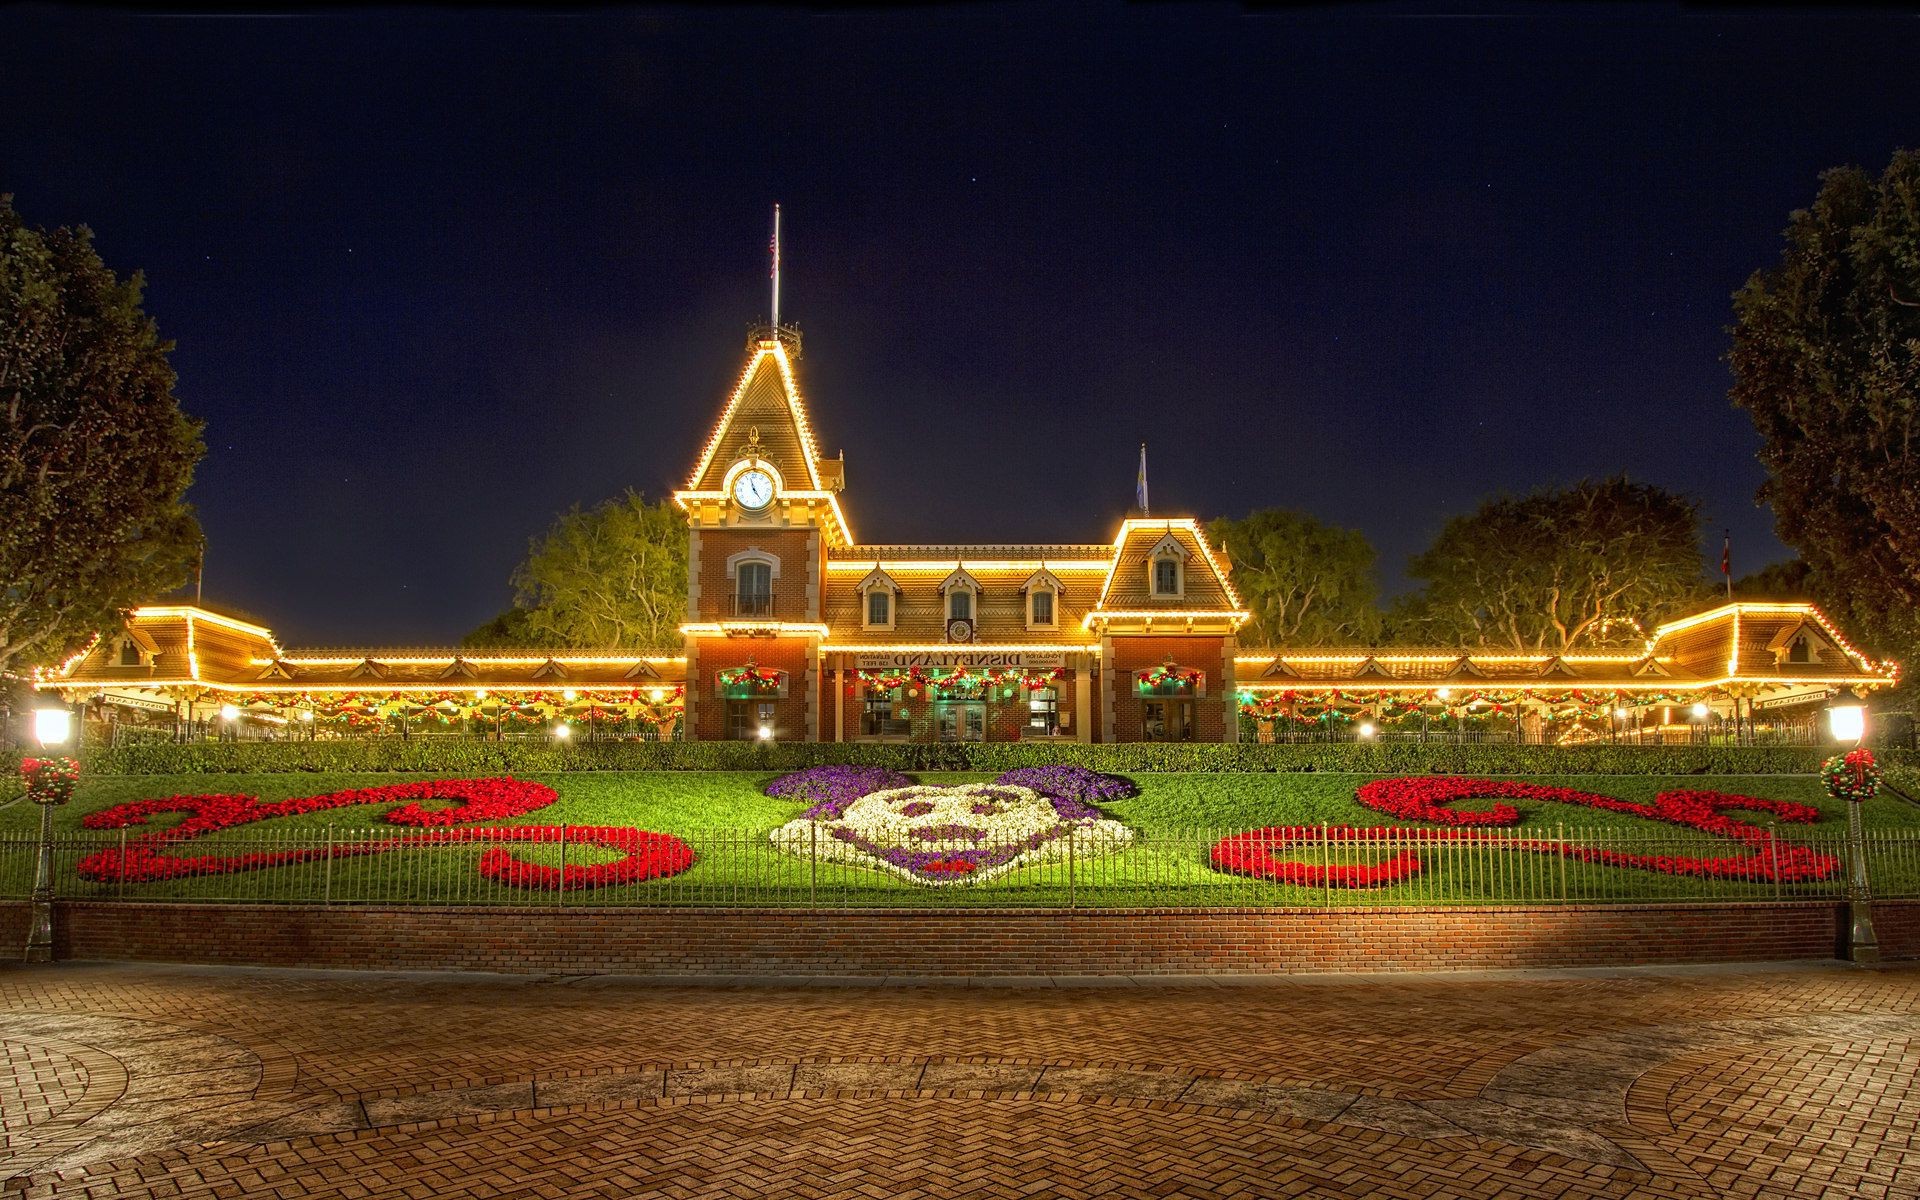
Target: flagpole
[[1726, 561], [776, 272]]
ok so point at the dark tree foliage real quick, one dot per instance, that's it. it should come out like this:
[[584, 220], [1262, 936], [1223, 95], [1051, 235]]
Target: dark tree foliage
[[1306, 583], [95, 456], [1826, 360], [1558, 569]]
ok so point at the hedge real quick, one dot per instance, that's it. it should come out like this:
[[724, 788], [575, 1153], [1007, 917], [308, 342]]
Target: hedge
[[472, 756]]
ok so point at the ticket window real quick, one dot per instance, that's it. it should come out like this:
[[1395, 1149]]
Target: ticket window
[[1043, 712]]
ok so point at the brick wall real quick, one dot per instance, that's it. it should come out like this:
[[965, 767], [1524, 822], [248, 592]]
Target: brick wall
[[790, 546], [1006, 718], [1132, 655], [1145, 942], [779, 654]]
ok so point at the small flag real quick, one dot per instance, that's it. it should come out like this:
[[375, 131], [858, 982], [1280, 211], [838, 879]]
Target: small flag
[[1140, 485], [1726, 556]]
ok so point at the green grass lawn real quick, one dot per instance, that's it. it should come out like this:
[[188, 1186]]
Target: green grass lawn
[[1175, 819]]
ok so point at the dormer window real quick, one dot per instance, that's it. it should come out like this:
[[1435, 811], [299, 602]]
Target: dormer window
[[1043, 599], [1166, 577], [878, 596], [1800, 645], [129, 653], [1167, 569], [962, 594]]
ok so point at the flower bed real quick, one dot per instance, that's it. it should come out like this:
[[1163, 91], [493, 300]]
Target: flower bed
[[1257, 852], [946, 835], [647, 855]]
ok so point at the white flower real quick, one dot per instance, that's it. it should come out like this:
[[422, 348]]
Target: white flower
[[947, 835]]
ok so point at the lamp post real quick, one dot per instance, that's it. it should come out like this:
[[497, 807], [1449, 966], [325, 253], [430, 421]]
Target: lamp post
[[51, 728], [1848, 723]]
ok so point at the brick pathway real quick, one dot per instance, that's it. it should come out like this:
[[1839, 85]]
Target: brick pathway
[[182, 1082]]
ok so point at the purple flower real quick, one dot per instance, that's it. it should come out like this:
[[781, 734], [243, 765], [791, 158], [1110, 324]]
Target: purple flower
[[1073, 790], [917, 808], [832, 788]]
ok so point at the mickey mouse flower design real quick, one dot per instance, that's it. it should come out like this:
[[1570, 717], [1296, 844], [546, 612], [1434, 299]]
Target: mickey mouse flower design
[[946, 835]]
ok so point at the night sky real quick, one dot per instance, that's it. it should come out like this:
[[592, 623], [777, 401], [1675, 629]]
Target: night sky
[[437, 276]]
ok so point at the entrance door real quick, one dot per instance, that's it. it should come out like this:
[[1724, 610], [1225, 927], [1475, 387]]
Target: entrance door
[[960, 721]]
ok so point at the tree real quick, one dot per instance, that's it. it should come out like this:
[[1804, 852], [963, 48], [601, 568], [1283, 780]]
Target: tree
[[1556, 570], [1306, 583], [1789, 580], [95, 456], [610, 577], [1826, 360]]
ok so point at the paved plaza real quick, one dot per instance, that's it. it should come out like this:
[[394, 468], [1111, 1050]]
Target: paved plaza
[[183, 1082]]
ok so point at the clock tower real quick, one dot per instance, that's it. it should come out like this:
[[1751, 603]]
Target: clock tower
[[762, 509]]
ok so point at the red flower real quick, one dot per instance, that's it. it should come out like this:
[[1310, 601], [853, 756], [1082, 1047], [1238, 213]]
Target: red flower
[[649, 855], [1429, 799]]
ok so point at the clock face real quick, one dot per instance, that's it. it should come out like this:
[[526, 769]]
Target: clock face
[[753, 489]]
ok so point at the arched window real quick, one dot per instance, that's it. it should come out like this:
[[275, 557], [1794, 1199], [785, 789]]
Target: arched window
[[753, 571]]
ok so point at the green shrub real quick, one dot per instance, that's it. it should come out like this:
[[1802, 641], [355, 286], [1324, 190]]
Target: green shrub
[[461, 756]]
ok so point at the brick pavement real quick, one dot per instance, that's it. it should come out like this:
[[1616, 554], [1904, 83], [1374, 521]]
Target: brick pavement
[[183, 1082]]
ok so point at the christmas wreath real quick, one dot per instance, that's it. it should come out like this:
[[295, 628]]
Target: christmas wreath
[[1851, 776]]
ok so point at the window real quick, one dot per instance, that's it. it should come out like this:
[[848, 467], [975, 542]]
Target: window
[[1798, 650], [879, 607], [960, 606], [1043, 712], [129, 653], [1166, 720], [884, 715], [746, 718], [1166, 577], [753, 595], [1041, 603]]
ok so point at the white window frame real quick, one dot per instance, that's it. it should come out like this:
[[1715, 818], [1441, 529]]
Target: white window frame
[[879, 580], [1167, 549]]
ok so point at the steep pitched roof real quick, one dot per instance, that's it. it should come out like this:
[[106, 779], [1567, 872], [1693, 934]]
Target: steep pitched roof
[[1207, 590], [766, 399]]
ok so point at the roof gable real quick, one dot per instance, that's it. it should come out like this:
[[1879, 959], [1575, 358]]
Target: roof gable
[[765, 419]]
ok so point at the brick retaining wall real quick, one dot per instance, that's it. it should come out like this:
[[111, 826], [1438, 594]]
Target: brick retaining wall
[[1008, 942]]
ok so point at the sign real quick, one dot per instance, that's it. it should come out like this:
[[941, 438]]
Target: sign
[[126, 701], [942, 659], [1793, 701]]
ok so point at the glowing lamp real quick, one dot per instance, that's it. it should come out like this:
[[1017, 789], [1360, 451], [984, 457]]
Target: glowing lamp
[[657, 694], [1366, 729], [480, 693], [766, 733], [1445, 693], [568, 695], [1620, 713], [229, 712], [52, 726], [562, 732], [1700, 711], [306, 714], [1847, 722]]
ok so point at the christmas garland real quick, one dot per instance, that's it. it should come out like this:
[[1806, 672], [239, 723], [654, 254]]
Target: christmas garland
[[1167, 676], [1851, 776], [758, 680]]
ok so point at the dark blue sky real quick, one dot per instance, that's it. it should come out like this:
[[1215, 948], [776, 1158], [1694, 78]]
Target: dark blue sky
[[436, 276]]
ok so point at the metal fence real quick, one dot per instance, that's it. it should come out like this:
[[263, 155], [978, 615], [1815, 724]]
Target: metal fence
[[1159, 869]]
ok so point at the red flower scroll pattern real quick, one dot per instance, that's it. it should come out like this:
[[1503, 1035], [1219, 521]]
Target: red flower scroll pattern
[[1258, 852], [647, 855]]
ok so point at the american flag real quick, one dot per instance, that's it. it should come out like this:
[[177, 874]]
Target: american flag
[[774, 243]]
